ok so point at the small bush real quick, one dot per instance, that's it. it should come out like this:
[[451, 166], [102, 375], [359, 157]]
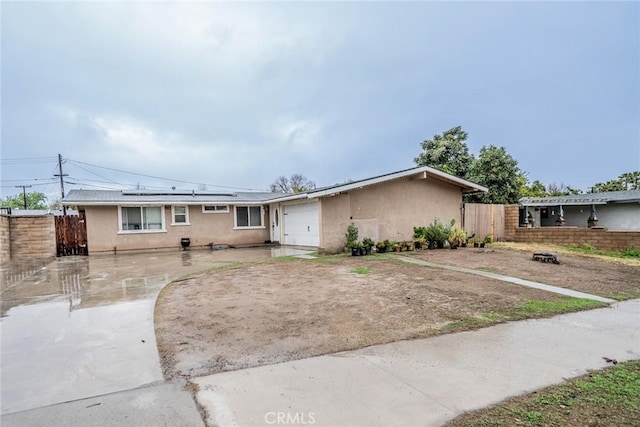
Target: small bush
[[437, 232], [352, 235], [631, 253]]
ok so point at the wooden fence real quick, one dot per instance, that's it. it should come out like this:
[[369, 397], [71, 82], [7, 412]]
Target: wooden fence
[[71, 235], [484, 220]]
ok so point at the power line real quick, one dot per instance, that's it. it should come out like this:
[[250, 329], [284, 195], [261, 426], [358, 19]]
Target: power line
[[30, 185], [28, 179], [96, 174], [162, 178], [86, 181], [23, 160], [91, 185]]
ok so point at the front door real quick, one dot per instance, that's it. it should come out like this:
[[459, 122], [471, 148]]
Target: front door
[[276, 217]]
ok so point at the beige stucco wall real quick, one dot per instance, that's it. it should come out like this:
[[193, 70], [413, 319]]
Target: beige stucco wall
[[204, 228], [389, 210], [334, 220]]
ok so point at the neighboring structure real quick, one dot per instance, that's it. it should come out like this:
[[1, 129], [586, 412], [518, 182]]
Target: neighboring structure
[[383, 207], [615, 210], [38, 212], [597, 237]]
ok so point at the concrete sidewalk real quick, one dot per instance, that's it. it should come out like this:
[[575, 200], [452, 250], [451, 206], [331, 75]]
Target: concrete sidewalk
[[154, 405], [423, 382]]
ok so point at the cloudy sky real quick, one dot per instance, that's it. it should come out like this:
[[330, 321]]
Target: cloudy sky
[[237, 94]]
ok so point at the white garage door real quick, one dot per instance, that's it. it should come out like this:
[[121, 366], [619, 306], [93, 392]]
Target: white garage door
[[301, 224]]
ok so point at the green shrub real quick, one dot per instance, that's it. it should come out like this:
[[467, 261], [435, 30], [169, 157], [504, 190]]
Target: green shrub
[[352, 235], [631, 253], [419, 233], [437, 232]]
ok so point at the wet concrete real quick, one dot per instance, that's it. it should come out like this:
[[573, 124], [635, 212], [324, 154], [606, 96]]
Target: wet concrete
[[161, 405], [78, 327], [428, 381]]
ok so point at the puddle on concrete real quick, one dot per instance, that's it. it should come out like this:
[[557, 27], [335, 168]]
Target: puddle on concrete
[[77, 327]]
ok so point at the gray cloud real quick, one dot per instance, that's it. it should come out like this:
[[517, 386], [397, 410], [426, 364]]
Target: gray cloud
[[237, 94]]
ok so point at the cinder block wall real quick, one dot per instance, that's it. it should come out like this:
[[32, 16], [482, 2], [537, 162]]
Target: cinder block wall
[[599, 238], [5, 239], [511, 221], [32, 236]]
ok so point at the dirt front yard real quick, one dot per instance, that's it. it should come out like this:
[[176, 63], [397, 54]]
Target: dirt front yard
[[599, 276], [286, 309]]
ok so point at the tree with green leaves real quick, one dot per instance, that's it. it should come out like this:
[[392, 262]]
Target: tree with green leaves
[[35, 200], [447, 152], [626, 181], [297, 183], [536, 189], [499, 172]]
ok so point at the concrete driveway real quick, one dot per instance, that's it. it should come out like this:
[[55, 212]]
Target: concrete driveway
[[79, 327]]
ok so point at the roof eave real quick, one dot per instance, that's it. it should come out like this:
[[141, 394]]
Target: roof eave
[[289, 197], [162, 203], [466, 186]]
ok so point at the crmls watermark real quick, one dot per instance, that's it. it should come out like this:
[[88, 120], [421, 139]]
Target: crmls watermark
[[284, 418]]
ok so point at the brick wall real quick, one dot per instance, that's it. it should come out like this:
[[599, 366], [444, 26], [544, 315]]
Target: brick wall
[[5, 239], [32, 236], [511, 221], [599, 238]]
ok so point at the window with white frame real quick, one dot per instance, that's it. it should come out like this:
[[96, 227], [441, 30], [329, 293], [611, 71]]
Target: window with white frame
[[215, 208], [249, 217], [141, 218], [180, 215]]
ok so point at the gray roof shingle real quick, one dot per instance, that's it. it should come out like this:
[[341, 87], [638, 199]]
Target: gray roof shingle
[[126, 197], [630, 196]]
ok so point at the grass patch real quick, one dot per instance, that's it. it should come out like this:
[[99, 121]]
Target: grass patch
[[626, 257], [537, 308], [493, 317], [361, 270], [527, 310], [475, 322], [610, 397], [585, 248], [329, 258], [626, 295], [488, 269]]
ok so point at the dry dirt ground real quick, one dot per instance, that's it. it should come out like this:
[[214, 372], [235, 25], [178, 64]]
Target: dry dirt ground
[[284, 309], [598, 276]]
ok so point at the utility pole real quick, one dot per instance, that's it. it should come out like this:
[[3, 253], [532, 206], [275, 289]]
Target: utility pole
[[61, 175], [24, 193]]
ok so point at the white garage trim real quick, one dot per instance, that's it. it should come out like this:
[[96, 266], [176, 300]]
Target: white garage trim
[[301, 224]]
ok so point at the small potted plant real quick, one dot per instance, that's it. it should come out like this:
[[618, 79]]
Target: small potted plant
[[355, 248], [470, 239], [352, 237], [381, 247], [395, 247], [367, 244], [456, 237], [419, 237], [487, 239]]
